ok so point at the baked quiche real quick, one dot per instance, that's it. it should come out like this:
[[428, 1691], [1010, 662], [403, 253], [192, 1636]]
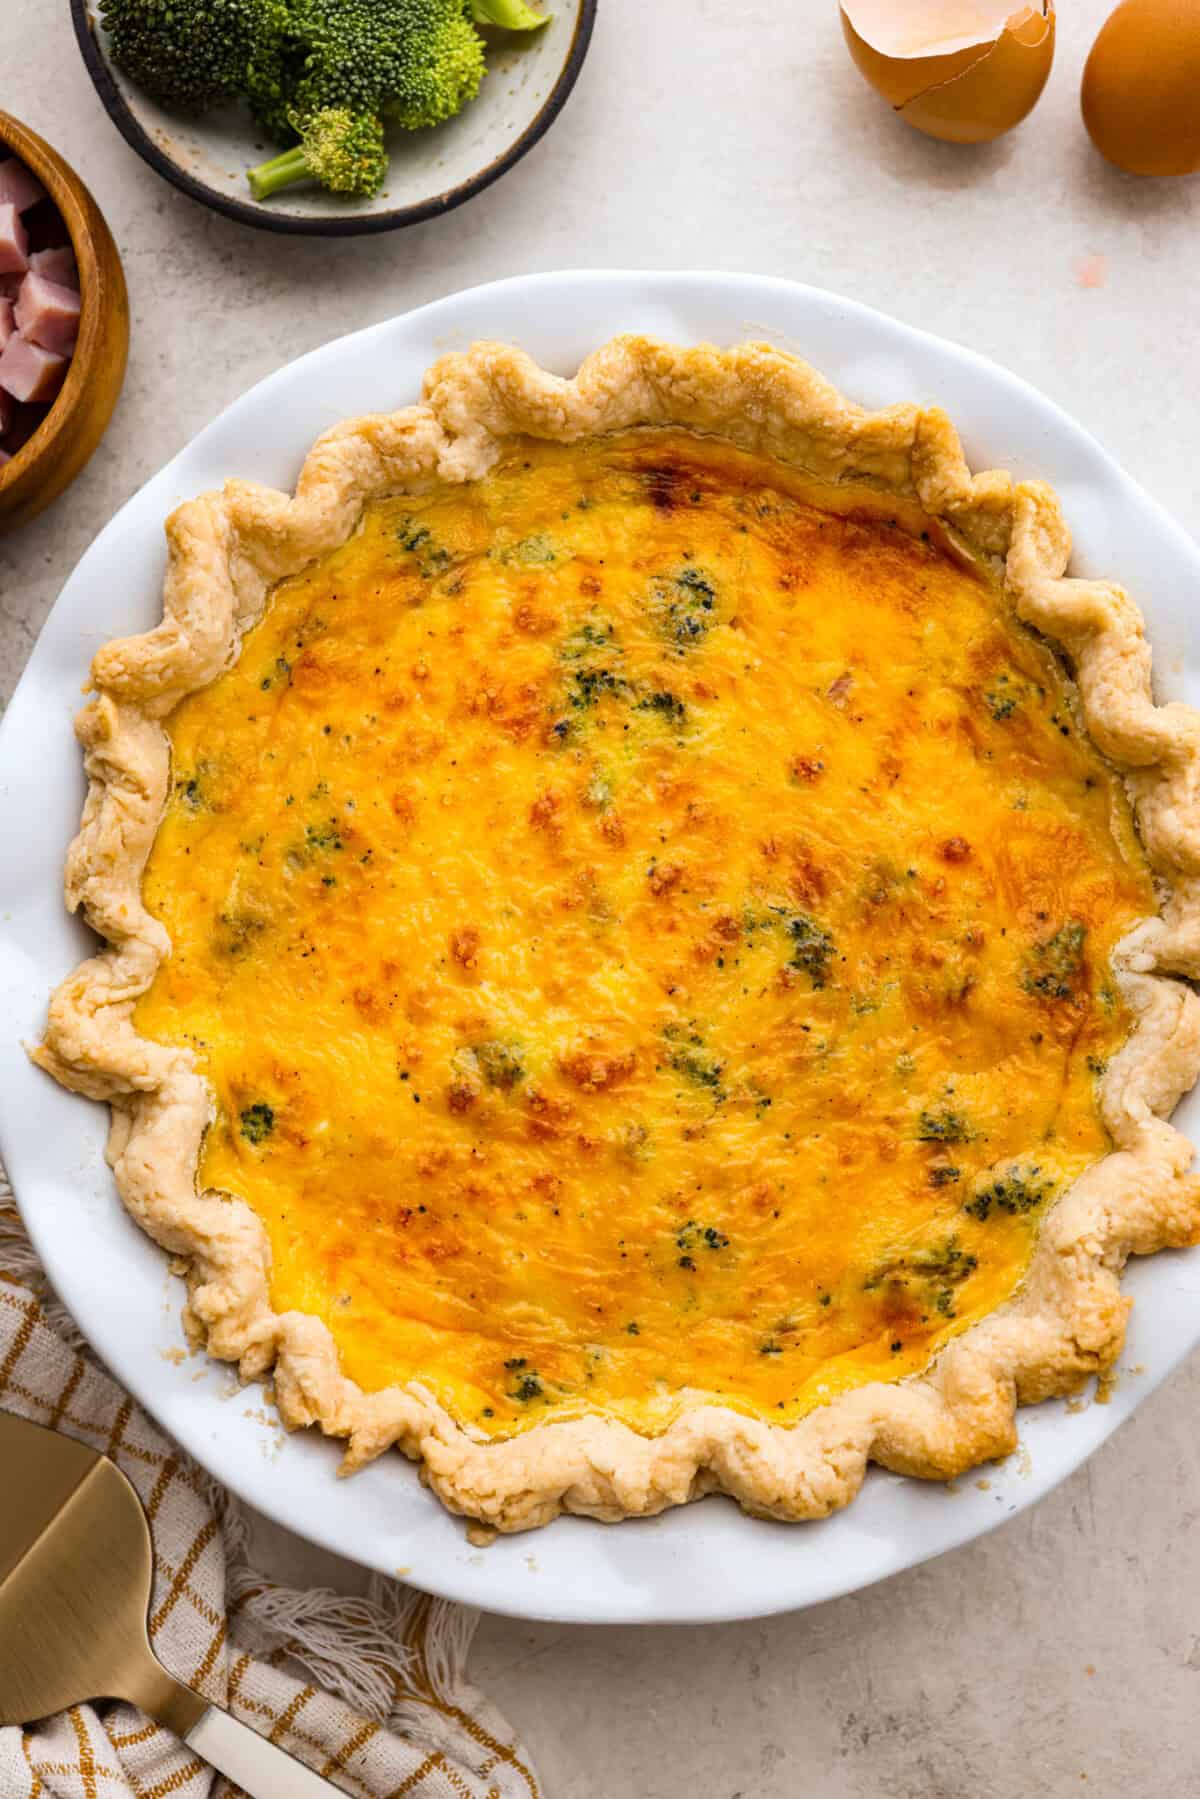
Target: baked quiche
[[644, 918]]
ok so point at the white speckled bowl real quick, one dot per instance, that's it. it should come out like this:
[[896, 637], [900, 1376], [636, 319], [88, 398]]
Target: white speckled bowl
[[698, 1563], [529, 77]]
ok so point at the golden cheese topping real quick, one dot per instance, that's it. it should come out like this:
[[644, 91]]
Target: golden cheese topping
[[646, 924]]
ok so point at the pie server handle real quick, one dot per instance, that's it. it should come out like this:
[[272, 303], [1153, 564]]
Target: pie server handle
[[260, 1767]]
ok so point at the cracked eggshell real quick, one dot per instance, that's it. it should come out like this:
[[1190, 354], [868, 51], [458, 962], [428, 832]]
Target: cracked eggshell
[[1141, 88], [961, 70]]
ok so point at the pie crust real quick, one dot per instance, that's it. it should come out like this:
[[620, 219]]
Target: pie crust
[[1066, 1322]]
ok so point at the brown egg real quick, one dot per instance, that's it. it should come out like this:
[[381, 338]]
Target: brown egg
[[962, 70], [1141, 88]]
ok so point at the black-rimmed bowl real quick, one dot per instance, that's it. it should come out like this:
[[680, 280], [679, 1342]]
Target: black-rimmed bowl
[[528, 80]]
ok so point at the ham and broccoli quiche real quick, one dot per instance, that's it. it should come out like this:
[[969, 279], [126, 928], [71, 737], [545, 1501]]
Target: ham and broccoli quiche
[[642, 919]]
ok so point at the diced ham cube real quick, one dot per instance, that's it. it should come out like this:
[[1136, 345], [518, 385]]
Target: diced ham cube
[[6, 323], [47, 314], [19, 186], [57, 265], [29, 372], [10, 286], [14, 241]]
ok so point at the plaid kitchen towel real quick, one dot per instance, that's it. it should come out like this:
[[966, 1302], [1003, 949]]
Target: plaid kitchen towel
[[370, 1692]]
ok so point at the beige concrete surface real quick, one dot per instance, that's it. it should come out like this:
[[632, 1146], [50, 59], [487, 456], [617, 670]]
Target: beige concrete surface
[[1062, 1654]]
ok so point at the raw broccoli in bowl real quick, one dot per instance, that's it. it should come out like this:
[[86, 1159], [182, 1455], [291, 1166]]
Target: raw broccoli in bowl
[[324, 77]]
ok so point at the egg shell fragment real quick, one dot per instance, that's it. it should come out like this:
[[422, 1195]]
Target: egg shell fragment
[[962, 72]]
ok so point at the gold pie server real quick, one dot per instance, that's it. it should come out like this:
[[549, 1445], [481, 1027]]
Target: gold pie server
[[76, 1568]]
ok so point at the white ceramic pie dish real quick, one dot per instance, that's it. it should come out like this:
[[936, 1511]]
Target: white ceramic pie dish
[[699, 1563]]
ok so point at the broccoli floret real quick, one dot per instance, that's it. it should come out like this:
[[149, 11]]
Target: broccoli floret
[[688, 1055], [354, 50], [812, 948], [279, 48], [1014, 1190], [404, 62], [415, 61], [501, 1064], [943, 1126], [186, 53], [685, 604], [669, 707], [1053, 967], [439, 64], [340, 149], [511, 15], [257, 1122]]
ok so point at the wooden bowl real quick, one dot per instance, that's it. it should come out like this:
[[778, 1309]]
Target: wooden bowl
[[76, 421]]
